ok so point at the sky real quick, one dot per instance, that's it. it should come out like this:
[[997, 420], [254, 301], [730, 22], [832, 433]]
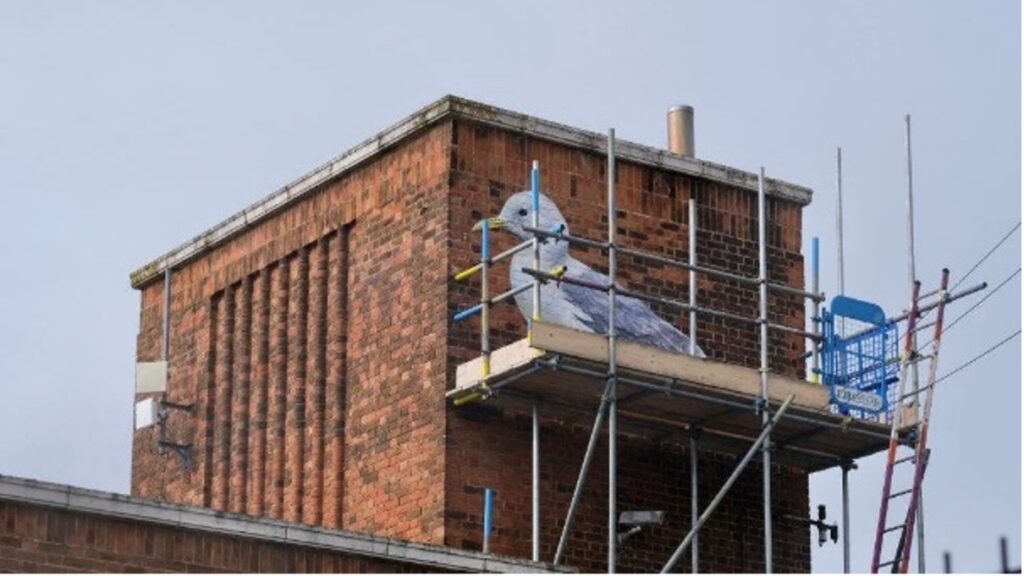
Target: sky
[[127, 128]]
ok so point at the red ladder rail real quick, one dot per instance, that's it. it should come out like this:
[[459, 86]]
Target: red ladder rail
[[922, 428], [908, 351]]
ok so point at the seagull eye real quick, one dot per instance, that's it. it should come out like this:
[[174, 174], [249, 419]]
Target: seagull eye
[[523, 212]]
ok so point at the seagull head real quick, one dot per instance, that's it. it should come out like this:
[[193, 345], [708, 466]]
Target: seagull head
[[517, 214]]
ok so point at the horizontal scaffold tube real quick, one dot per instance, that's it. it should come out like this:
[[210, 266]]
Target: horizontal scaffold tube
[[921, 311], [545, 276], [476, 308], [663, 425], [484, 390], [676, 263], [925, 309], [848, 427], [468, 272]]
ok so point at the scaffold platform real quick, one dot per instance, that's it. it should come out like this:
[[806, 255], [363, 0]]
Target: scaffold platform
[[663, 393]]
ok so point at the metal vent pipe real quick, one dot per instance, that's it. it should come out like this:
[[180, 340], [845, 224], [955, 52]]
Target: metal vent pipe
[[680, 131]]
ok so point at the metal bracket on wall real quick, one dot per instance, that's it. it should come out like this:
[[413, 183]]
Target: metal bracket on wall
[[826, 531], [184, 451]]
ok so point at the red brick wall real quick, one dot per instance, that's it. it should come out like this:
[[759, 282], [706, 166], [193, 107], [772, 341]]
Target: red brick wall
[[487, 449], [313, 347], [37, 539]]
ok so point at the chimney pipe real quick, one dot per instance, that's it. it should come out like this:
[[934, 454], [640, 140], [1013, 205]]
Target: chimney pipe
[[680, 131]]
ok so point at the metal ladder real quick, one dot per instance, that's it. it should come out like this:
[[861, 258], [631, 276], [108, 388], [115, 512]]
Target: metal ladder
[[918, 444]]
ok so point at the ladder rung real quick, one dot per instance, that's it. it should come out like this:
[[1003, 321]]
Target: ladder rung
[[905, 459], [889, 563], [900, 493], [891, 528]]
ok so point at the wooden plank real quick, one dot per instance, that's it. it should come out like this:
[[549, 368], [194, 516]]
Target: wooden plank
[[504, 360], [707, 373], [813, 447]]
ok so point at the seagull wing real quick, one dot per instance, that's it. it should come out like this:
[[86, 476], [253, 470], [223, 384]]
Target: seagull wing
[[634, 321]]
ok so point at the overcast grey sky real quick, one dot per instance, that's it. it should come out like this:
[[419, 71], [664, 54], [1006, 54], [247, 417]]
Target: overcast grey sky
[[126, 128]]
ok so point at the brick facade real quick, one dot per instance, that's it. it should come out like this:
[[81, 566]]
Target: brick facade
[[317, 346]]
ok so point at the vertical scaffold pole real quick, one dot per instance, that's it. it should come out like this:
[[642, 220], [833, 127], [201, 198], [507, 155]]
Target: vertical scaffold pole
[[846, 466], [765, 416], [694, 502], [488, 519], [612, 425], [535, 222], [595, 432], [536, 315], [912, 273], [693, 277], [816, 307], [485, 305], [535, 480], [841, 290]]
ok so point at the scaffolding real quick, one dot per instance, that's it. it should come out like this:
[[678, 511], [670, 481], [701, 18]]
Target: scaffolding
[[815, 433]]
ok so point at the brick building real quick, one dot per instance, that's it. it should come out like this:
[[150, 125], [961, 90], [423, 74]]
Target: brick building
[[309, 347]]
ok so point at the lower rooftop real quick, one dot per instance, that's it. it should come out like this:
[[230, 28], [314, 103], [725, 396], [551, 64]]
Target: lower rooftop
[[46, 527]]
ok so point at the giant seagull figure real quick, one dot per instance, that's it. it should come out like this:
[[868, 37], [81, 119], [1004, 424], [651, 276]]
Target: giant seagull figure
[[575, 306]]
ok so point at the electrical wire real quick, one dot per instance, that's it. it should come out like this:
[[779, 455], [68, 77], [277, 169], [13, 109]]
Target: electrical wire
[[975, 267], [985, 257], [973, 307], [990, 350]]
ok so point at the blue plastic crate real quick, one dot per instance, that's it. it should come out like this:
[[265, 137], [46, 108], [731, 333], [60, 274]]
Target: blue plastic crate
[[860, 357]]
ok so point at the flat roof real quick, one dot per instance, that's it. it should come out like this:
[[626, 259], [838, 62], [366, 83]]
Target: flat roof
[[446, 107], [81, 500]]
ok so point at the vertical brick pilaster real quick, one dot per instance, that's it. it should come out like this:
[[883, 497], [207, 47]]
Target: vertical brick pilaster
[[313, 471], [296, 399], [277, 386], [208, 402], [239, 447], [337, 343], [258, 396], [223, 368]]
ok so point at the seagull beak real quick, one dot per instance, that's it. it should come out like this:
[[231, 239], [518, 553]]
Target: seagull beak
[[494, 223]]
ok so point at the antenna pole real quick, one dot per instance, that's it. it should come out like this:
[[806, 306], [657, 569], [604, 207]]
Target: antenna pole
[[912, 277], [612, 380], [839, 219], [766, 447]]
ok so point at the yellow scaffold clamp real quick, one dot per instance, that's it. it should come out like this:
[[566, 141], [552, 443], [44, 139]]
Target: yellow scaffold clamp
[[558, 272], [483, 392]]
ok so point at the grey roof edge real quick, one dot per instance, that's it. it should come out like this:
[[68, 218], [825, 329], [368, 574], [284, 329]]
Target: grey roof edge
[[74, 499], [460, 107]]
